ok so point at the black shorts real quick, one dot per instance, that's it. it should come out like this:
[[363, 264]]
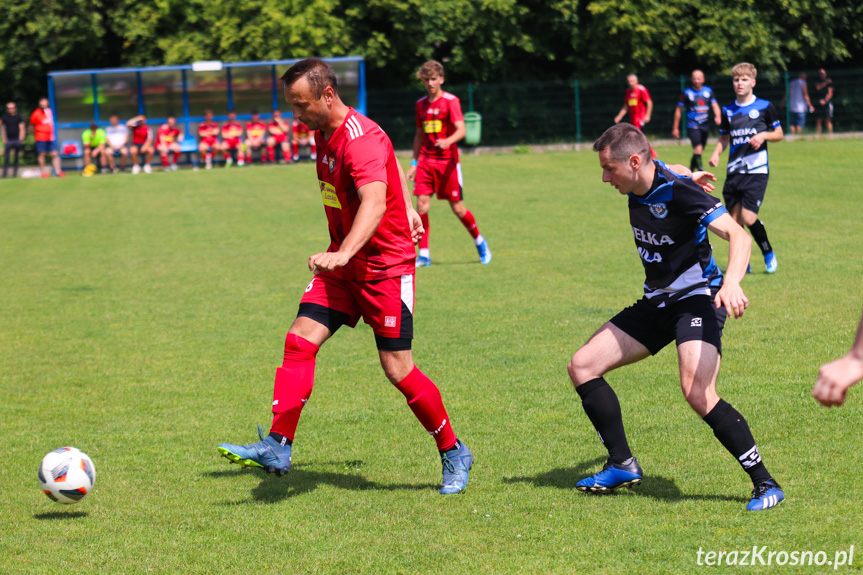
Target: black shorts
[[691, 319], [824, 112], [698, 136], [748, 189]]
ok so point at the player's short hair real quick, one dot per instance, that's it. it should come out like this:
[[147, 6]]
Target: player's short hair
[[318, 73], [429, 69], [623, 141], [744, 69]]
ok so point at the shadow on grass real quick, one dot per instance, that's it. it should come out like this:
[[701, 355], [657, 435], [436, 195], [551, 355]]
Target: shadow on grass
[[298, 481], [58, 515], [657, 487]]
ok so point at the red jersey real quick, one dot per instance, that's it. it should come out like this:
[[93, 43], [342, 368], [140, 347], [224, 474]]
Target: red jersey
[[43, 124], [166, 134], [356, 154], [232, 131], [256, 129], [300, 130], [437, 120], [208, 129], [279, 130], [636, 100], [140, 134]]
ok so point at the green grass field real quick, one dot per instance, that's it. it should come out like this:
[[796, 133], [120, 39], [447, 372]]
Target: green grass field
[[142, 320]]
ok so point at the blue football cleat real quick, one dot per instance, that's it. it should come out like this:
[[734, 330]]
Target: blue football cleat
[[766, 494], [456, 464], [770, 262], [484, 252], [423, 262], [613, 476], [267, 454]]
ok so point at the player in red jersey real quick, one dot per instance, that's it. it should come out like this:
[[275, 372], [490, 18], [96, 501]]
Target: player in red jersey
[[142, 143], [232, 136], [208, 134], [302, 136], [278, 131], [168, 138], [435, 168], [639, 105], [256, 137], [367, 272]]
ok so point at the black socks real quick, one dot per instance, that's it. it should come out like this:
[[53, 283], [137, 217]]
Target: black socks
[[760, 236], [602, 407], [733, 433]]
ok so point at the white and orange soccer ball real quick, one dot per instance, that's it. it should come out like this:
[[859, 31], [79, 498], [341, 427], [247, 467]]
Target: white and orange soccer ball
[[66, 475]]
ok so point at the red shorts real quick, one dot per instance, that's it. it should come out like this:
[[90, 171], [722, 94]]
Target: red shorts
[[442, 178], [386, 305], [232, 143], [279, 138], [210, 141]]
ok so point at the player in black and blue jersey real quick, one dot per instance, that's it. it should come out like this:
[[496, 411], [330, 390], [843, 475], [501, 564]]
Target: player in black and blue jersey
[[698, 101], [747, 125], [686, 298]]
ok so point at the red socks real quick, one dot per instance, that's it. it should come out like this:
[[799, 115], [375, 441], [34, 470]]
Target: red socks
[[293, 386], [424, 240], [164, 160], [425, 401], [470, 224]]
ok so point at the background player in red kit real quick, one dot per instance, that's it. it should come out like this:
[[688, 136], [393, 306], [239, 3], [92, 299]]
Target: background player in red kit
[[208, 134], [639, 105], [278, 131], [368, 271], [142, 143], [232, 135], [435, 168], [168, 138], [256, 136], [302, 136]]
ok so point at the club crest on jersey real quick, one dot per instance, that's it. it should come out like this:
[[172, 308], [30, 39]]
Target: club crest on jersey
[[754, 114], [332, 164], [659, 211]]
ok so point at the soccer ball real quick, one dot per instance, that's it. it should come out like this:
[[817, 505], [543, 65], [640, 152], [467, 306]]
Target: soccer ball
[[66, 475]]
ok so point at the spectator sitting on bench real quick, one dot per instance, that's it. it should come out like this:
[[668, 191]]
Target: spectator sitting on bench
[[142, 143], [118, 140], [94, 141]]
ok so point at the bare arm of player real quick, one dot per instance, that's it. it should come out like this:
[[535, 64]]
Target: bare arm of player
[[649, 112], [675, 125], [772, 136], [373, 206], [620, 114], [457, 136], [836, 377], [721, 144], [739, 248], [414, 220], [418, 145], [717, 113]]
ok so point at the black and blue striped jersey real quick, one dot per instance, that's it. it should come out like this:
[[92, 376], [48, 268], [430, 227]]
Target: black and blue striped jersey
[[669, 224], [741, 123], [697, 104]]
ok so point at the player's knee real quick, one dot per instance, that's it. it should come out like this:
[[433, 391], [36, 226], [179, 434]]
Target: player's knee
[[580, 369], [700, 400]]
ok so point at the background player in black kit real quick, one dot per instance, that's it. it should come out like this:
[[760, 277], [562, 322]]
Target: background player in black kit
[[748, 124], [685, 298]]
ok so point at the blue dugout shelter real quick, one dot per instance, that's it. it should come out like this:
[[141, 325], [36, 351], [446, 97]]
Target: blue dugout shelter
[[80, 97]]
